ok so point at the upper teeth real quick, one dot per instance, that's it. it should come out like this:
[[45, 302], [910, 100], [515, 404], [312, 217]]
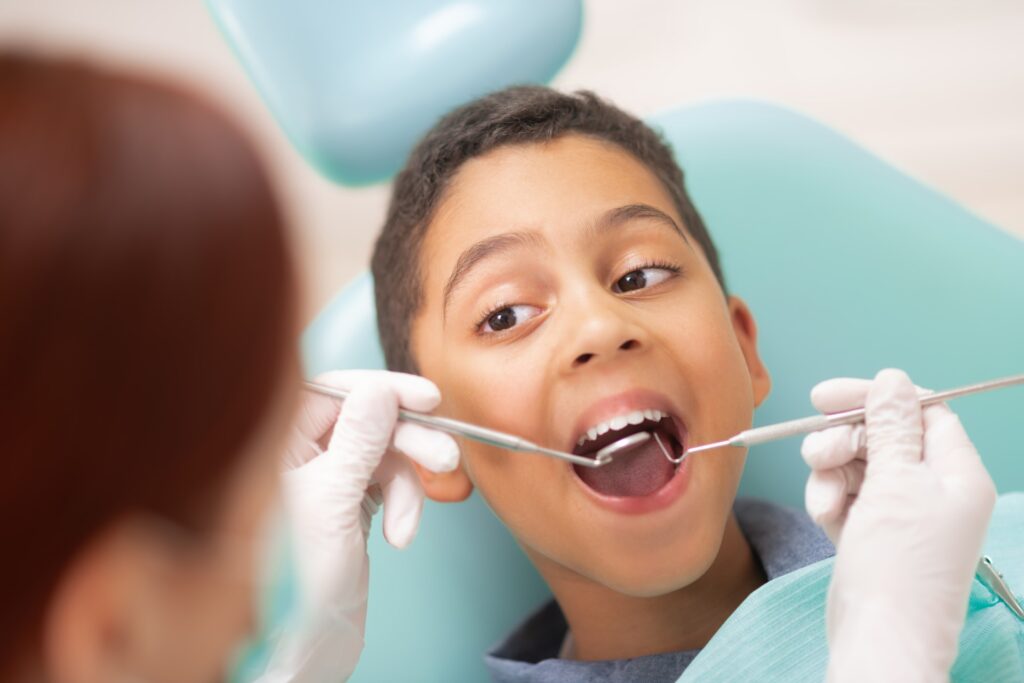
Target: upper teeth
[[619, 422]]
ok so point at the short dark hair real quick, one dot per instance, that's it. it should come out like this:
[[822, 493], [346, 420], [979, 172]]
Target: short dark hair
[[516, 115]]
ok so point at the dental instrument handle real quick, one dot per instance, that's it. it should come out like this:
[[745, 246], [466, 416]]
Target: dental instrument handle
[[782, 430], [491, 437], [818, 422], [814, 423]]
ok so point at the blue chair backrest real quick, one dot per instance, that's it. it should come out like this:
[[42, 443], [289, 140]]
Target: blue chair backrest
[[849, 266]]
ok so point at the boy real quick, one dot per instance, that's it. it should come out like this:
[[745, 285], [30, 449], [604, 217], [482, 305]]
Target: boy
[[542, 263]]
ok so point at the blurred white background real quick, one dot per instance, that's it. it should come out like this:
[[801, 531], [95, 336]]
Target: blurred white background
[[935, 87]]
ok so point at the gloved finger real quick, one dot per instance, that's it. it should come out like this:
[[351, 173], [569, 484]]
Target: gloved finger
[[844, 393], [893, 419], [829, 493], [833, 447], [362, 435], [435, 450], [414, 392], [371, 502], [824, 495], [834, 528], [830, 518], [944, 437], [969, 488], [948, 448], [403, 499], [840, 393], [316, 414]]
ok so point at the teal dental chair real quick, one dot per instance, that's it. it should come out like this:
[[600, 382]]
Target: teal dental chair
[[849, 266]]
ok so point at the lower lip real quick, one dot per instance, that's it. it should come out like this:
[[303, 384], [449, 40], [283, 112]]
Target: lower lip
[[638, 505]]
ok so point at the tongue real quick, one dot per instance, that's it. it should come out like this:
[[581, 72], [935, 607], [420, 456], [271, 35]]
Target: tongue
[[639, 472]]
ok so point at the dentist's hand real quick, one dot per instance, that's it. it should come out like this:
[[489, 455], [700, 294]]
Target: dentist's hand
[[907, 501], [340, 466]]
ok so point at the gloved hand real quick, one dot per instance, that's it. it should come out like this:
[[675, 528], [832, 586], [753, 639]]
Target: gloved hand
[[907, 501], [339, 467]]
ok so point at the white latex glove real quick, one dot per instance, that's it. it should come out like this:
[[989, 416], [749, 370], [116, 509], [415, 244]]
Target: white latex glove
[[340, 465], [908, 507]]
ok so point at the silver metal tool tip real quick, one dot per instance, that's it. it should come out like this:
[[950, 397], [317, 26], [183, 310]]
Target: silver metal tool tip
[[608, 453], [706, 447]]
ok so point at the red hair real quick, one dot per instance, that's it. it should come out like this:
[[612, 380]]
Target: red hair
[[147, 308]]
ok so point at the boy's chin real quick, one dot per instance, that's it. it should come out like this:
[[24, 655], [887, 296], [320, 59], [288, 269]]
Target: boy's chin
[[648, 570], [643, 583]]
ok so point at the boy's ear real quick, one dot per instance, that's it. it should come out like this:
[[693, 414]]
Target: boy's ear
[[444, 487], [746, 333]]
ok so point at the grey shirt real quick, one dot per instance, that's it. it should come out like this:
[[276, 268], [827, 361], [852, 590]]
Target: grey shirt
[[782, 539]]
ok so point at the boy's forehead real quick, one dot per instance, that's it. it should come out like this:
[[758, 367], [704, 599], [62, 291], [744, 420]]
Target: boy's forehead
[[543, 180], [555, 188]]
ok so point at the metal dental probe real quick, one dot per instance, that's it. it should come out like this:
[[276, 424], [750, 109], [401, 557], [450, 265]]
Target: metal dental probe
[[495, 438], [814, 423]]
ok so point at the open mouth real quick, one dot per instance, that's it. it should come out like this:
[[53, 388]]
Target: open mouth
[[640, 471]]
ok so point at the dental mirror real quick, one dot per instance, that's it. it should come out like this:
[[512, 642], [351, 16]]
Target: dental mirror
[[606, 454]]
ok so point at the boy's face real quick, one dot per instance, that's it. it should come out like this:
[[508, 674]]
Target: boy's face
[[561, 291]]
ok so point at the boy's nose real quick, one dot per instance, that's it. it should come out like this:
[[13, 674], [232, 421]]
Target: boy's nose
[[598, 335], [588, 356]]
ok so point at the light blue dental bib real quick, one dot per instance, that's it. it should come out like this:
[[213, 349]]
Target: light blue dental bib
[[778, 633]]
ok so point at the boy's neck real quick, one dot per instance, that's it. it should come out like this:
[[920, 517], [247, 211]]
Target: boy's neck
[[606, 624]]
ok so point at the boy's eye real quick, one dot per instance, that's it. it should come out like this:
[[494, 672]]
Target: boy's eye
[[640, 278], [508, 317]]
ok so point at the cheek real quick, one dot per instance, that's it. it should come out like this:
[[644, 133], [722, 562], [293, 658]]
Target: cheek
[[723, 392], [522, 489], [717, 477], [711, 362], [503, 390], [506, 389]]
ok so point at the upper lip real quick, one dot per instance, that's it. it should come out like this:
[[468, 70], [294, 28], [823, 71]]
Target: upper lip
[[621, 405]]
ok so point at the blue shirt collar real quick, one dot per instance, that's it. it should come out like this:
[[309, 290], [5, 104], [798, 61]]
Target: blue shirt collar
[[782, 539]]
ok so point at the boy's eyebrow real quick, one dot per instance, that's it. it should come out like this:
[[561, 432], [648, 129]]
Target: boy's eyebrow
[[621, 214], [505, 241], [482, 250]]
